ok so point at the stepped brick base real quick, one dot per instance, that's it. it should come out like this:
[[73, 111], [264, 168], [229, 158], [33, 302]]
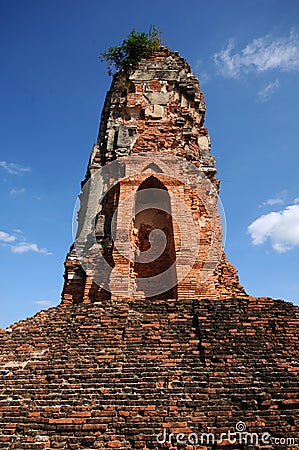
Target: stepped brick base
[[116, 374]]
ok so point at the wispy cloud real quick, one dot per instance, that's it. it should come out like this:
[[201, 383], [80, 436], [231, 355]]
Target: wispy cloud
[[17, 191], [13, 168], [277, 200], [24, 247], [46, 303], [266, 93], [281, 228], [260, 55], [6, 237], [18, 244]]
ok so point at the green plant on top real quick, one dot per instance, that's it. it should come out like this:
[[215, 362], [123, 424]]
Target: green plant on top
[[135, 47]]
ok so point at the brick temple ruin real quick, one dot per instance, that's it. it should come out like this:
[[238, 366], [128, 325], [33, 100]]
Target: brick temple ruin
[[130, 359]]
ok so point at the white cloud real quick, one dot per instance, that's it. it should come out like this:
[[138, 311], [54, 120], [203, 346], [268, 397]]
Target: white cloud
[[281, 228], [24, 247], [13, 168], [260, 55], [44, 303], [277, 200], [17, 191], [18, 243], [267, 92], [5, 237]]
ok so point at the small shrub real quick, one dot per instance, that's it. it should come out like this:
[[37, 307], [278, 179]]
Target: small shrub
[[135, 47]]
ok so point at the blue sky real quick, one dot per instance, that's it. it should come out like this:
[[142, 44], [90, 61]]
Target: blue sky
[[52, 87]]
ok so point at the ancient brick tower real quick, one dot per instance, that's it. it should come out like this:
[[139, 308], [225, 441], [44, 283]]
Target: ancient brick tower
[[132, 358], [152, 126]]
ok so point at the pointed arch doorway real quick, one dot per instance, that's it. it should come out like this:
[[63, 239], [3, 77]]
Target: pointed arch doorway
[[153, 239]]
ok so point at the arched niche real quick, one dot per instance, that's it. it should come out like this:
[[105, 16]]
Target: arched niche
[[153, 212]]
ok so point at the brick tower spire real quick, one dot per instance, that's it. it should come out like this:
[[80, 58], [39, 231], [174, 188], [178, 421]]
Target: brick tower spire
[[154, 120]]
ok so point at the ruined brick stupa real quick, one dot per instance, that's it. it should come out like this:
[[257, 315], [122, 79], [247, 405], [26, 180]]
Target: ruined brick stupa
[[154, 335]]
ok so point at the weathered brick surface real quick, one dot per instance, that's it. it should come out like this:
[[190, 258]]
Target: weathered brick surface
[[132, 126], [117, 373], [114, 371]]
